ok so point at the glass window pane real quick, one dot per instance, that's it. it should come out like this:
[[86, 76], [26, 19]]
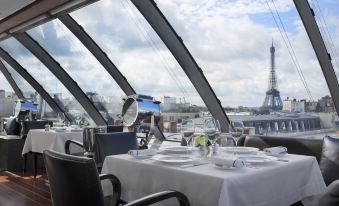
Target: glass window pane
[[137, 51], [82, 66], [49, 82], [7, 97], [232, 42], [23, 85]]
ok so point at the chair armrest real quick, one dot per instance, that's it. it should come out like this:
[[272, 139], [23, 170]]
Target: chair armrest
[[68, 142], [116, 187], [160, 196]]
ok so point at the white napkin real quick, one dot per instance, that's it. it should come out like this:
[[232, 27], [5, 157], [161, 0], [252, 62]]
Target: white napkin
[[228, 161], [145, 152], [276, 150]]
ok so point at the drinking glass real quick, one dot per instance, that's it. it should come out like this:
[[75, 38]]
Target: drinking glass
[[61, 118], [187, 131], [212, 130], [236, 129]]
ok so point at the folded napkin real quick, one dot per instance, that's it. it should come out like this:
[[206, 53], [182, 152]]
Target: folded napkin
[[276, 150], [145, 152], [228, 161]]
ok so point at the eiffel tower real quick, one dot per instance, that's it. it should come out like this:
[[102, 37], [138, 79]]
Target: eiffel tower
[[272, 100]]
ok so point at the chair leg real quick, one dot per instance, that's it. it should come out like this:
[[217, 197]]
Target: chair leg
[[25, 164], [35, 163]]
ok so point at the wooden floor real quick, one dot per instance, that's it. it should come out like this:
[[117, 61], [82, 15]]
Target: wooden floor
[[18, 190]]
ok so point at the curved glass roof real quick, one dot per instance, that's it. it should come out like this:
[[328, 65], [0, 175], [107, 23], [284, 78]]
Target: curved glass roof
[[48, 81], [23, 85], [4, 84], [81, 65]]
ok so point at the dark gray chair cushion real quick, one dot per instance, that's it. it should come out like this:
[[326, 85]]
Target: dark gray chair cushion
[[113, 143], [12, 127], [329, 163], [73, 180], [294, 145]]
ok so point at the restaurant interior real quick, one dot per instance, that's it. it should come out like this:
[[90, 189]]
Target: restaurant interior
[[150, 102]]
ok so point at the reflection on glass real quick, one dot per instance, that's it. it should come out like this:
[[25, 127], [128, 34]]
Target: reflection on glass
[[48, 81], [82, 66], [137, 51]]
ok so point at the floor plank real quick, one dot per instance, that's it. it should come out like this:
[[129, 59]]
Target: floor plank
[[18, 190]]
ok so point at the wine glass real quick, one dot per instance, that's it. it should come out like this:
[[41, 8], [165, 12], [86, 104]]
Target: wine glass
[[61, 118], [212, 131], [236, 130], [77, 119], [187, 131]]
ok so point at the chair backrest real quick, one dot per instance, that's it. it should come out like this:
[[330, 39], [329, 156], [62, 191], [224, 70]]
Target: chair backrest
[[294, 145], [28, 125], [329, 163], [73, 180], [113, 143], [12, 127], [115, 128]]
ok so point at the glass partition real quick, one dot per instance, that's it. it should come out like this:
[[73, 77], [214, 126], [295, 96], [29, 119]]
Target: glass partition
[[238, 43], [129, 41], [82, 66], [48, 81]]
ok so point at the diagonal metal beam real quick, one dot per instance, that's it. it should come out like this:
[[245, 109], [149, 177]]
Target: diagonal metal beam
[[101, 56], [11, 81], [324, 58], [174, 43], [38, 88], [62, 75]]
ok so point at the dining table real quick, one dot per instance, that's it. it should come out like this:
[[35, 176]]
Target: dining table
[[280, 183], [39, 140]]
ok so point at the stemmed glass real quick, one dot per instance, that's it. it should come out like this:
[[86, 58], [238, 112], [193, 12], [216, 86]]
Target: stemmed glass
[[77, 119], [212, 130], [61, 118], [236, 130], [187, 132]]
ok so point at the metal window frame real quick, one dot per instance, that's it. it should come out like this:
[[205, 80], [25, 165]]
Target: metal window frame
[[36, 86], [11, 81], [97, 52], [174, 43], [51, 64], [307, 16]]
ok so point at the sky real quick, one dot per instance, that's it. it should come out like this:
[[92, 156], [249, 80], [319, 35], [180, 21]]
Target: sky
[[229, 40]]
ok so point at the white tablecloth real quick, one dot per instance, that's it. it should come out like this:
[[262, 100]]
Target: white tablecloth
[[39, 140], [276, 183]]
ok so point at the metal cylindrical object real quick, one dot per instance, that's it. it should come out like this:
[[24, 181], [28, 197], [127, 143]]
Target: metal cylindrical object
[[139, 109], [89, 138]]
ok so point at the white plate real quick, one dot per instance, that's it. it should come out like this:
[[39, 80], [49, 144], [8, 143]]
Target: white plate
[[239, 150], [177, 150], [172, 159], [257, 159]]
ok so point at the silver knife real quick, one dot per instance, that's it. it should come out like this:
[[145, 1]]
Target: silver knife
[[193, 164]]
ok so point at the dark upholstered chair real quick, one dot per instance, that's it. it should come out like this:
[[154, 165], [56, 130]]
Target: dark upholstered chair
[[109, 144], [106, 144], [294, 145], [115, 128], [329, 163], [12, 127], [75, 181]]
